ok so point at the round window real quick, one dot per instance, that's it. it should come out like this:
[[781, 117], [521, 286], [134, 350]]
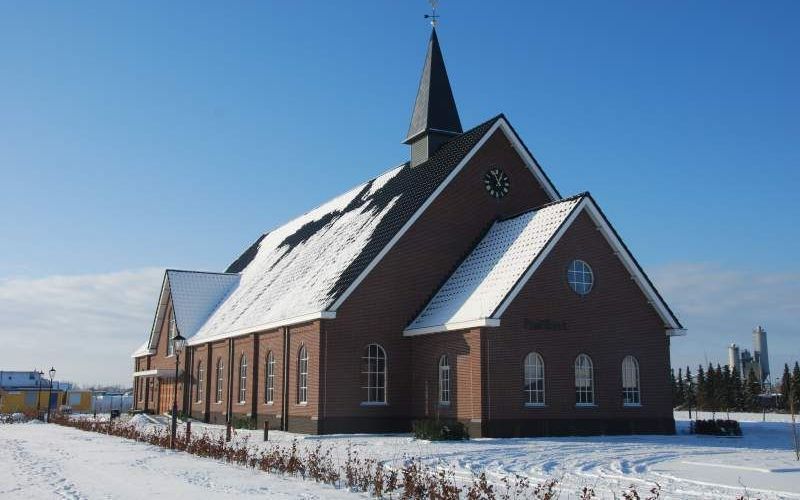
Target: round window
[[580, 277]]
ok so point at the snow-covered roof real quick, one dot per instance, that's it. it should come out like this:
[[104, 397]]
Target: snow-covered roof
[[143, 350], [195, 296], [486, 282], [477, 287], [304, 269]]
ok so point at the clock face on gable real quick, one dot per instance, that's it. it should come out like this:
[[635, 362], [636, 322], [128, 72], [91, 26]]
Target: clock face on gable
[[496, 183]]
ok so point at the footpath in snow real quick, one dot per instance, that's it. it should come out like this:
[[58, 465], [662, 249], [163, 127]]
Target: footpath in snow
[[44, 461], [50, 461]]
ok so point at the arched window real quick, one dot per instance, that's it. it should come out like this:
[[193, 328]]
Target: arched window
[[534, 379], [200, 382], [243, 378], [630, 382], [220, 378], [444, 380], [584, 380], [374, 372], [302, 376], [269, 389]]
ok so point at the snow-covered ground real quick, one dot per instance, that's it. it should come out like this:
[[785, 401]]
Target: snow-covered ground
[[50, 461], [41, 461]]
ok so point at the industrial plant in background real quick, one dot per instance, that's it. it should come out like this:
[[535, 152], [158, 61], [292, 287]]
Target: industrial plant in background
[[757, 361]]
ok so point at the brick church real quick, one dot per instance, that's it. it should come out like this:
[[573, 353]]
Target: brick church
[[458, 285]]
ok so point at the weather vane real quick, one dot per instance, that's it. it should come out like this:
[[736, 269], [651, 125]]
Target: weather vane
[[433, 16]]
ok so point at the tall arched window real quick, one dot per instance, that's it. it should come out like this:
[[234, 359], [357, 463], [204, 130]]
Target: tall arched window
[[200, 382], [584, 380], [269, 389], [534, 379], [243, 378], [444, 380], [630, 382], [220, 378], [374, 372], [302, 376]]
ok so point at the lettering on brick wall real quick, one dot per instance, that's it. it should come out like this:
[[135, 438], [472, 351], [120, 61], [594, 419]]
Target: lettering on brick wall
[[544, 324]]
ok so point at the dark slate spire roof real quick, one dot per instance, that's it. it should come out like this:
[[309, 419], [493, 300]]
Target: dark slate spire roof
[[435, 108]]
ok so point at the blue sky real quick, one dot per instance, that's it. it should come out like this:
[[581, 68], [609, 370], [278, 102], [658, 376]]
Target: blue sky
[[141, 135]]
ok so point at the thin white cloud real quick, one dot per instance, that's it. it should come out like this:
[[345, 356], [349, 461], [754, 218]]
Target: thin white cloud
[[86, 326], [720, 306]]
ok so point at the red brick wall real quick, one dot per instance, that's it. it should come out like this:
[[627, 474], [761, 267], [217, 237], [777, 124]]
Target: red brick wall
[[612, 321], [395, 291]]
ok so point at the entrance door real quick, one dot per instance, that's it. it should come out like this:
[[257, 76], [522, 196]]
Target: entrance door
[[166, 392]]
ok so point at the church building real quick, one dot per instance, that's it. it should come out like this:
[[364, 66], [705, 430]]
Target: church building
[[458, 285]]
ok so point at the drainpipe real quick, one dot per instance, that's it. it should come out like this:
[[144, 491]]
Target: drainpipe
[[209, 373], [254, 392], [229, 402], [285, 396]]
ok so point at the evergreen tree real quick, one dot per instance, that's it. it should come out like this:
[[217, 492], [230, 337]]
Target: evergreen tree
[[681, 390], [674, 384], [752, 388], [728, 396], [701, 390], [738, 390], [712, 390], [691, 391], [796, 386], [786, 387]]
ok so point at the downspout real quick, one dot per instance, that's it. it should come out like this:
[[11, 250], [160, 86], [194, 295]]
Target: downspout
[[209, 373], [324, 360], [229, 402], [285, 395], [254, 395]]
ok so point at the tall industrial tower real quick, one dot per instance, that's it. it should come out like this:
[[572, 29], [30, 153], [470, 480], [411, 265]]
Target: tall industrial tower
[[734, 359], [760, 353]]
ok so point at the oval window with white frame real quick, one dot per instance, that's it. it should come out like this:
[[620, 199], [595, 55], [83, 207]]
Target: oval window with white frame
[[580, 277]]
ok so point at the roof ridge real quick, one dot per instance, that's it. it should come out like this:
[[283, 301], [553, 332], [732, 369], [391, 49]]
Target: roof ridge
[[168, 270], [584, 194]]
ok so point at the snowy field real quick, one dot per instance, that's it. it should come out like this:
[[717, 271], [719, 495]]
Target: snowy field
[[39, 461]]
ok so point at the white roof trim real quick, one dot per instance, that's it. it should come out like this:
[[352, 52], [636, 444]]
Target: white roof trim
[[161, 372], [670, 322], [460, 325], [502, 124], [266, 326]]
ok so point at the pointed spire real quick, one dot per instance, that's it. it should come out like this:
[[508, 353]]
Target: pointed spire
[[435, 110]]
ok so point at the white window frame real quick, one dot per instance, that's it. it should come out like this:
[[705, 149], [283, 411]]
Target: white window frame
[[374, 374], [584, 381], [171, 334], [631, 382], [200, 390], [534, 379], [445, 381], [302, 376], [580, 277], [269, 386], [220, 379], [243, 378]]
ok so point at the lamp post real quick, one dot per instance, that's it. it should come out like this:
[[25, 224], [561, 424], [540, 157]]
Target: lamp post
[[39, 393], [52, 374], [178, 343]]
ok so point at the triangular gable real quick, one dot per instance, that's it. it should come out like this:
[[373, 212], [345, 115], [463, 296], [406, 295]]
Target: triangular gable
[[485, 284], [195, 295]]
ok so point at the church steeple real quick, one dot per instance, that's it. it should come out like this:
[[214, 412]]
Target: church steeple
[[435, 119]]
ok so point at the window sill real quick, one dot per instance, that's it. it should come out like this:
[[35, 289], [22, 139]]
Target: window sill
[[444, 405], [585, 405], [535, 405], [373, 403], [302, 404], [631, 405], [269, 403]]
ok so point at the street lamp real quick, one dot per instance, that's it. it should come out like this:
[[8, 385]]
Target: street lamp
[[52, 374], [38, 393], [178, 343]]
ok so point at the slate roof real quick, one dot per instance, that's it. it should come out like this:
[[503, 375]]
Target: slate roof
[[195, 296], [303, 267], [435, 108], [486, 282], [488, 274]]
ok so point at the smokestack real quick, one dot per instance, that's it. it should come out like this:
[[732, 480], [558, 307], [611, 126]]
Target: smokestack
[[761, 353], [734, 360]]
